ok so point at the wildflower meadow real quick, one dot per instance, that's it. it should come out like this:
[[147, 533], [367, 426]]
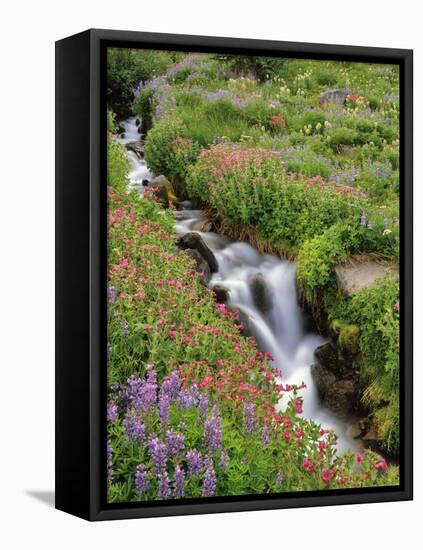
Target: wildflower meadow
[[300, 159]]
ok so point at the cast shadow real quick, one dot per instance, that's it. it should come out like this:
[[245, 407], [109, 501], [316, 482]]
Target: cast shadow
[[46, 497]]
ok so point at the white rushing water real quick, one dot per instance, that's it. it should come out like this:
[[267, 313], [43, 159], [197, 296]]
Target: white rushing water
[[281, 328], [139, 173]]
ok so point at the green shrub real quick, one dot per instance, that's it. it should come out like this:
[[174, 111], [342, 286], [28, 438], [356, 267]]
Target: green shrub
[[318, 255], [117, 165], [375, 310], [159, 153], [326, 78]]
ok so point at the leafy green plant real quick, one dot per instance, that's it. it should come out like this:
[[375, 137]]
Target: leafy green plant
[[117, 165]]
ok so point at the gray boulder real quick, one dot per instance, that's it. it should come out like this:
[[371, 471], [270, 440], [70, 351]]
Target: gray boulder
[[338, 95], [186, 205], [221, 294], [165, 189], [201, 266], [195, 241], [137, 147], [339, 395], [260, 292], [362, 271]]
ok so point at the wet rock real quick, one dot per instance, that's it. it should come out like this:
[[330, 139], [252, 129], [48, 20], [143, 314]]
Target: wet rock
[[339, 362], [338, 395], [122, 135], [202, 267], [137, 122], [146, 123], [165, 189], [145, 183], [360, 428], [137, 147], [342, 397], [260, 292], [361, 271], [195, 241], [371, 439], [197, 225], [327, 356], [181, 215], [324, 379], [221, 294], [207, 226], [186, 205], [338, 95]]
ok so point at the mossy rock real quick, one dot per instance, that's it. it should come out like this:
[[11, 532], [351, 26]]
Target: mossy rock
[[336, 326], [349, 338]]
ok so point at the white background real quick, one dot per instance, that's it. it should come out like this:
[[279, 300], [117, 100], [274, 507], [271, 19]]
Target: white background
[[28, 32]]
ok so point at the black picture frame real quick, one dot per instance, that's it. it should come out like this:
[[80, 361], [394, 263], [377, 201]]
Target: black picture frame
[[81, 268]]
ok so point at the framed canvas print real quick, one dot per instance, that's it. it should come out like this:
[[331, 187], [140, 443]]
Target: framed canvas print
[[233, 274]]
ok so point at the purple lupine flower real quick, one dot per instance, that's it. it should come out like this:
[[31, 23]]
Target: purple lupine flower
[[178, 485], [171, 384], [203, 403], [164, 491], [363, 220], [279, 478], [209, 481], [213, 431], [111, 294], [224, 459], [265, 435], [175, 443], [194, 461], [188, 397], [148, 396], [385, 223], [109, 350], [370, 225], [125, 329], [112, 411], [109, 461], [164, 407], [250, 420], [158, 453], [142, 483], [140, 393], [134, 427]]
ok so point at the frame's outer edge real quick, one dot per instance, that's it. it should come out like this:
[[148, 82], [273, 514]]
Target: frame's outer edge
[[72, 427], [406, 274], [80, 456]]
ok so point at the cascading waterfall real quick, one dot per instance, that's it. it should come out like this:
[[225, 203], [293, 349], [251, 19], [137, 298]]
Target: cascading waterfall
[[139, 173], [280, 328]]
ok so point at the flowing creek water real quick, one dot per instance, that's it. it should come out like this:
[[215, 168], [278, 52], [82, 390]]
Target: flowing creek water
[[282, 328]]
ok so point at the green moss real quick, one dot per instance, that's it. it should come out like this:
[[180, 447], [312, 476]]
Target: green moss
[[349, 338]]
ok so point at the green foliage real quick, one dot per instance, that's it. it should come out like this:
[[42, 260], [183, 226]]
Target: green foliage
[[250, 187], [349, 338], [318, 255], [126, 68], [375, 310], [117, 165], [158, 145], [143, 104]]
